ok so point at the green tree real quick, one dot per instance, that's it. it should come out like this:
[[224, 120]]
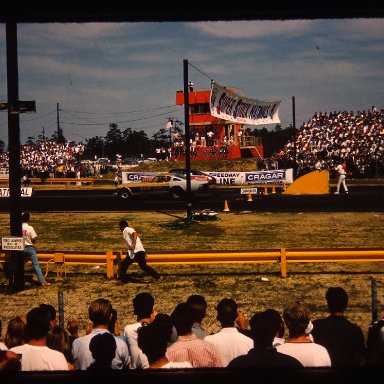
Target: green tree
[[30, 140], [94, 147], [2, 146], [136, 143], [114, 142]]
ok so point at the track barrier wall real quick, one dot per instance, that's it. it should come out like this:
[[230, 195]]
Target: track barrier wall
[[282, 257]]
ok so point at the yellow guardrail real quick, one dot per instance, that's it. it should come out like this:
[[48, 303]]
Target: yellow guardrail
[[111, 259]]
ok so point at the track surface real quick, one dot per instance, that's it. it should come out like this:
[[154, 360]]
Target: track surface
[[359, 199]]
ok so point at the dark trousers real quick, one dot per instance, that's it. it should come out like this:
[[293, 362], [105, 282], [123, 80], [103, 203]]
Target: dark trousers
[[139, 257]]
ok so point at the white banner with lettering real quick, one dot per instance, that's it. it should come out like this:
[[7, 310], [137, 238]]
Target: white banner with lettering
[[230, 106]]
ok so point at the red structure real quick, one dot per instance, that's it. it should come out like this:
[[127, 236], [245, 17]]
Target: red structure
[[213, 138]]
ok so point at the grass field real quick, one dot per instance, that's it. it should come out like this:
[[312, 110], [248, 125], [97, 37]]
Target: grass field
[[232, 231]]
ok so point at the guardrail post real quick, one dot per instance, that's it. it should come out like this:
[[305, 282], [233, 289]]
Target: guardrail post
[[283, 261], [110, 271], [374, 299]]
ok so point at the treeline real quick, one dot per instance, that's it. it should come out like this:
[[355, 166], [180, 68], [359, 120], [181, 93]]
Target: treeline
[[131, 143]]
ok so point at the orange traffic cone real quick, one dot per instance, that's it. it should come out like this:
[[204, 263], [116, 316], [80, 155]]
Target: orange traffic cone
[[249, 197], [226, 209], [265, 191], [273, 189]]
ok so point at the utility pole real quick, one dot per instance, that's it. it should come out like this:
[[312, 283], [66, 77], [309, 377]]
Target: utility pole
[[16, 277], [186, 140], [294, 137], [58, 123]]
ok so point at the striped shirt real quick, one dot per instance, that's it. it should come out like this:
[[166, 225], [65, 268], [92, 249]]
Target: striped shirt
[[198, 352]]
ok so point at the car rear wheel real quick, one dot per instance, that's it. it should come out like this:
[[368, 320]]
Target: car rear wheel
[[177, 193], [124, 194]]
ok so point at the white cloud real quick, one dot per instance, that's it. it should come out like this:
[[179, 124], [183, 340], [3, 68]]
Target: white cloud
[[251, 29]]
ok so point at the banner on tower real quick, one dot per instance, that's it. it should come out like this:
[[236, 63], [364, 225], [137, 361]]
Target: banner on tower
[[231, 106]]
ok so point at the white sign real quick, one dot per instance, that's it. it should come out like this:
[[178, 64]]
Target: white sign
[[229, 105], [4, 173], [247, 191], [12, 243], [257, 177], [135, 177], [25, 192]]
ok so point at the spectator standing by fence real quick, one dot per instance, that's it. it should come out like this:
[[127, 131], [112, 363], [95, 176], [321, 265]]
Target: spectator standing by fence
[[341, 169], [30, 239]]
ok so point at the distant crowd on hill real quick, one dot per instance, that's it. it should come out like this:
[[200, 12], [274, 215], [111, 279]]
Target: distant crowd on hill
[[328, 138], [45, 158], [36, 341]]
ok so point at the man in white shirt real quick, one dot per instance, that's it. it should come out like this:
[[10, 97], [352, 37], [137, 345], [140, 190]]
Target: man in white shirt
[[30, 238], [229, 342], [341, 170], [100, 313], [136, 252], [35, 355], [143, 307]]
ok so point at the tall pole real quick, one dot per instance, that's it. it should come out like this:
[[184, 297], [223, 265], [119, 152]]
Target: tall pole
[[58, 123], [294, 137], [187, 139], [16, 280]]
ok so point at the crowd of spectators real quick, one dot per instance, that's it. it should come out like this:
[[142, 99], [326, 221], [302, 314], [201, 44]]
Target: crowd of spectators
[[36, 341], [46, 158], [329, 138]]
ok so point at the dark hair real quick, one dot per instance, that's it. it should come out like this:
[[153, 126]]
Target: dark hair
[[199, 307], [100, 312], [51, 309], [123, 224], [337, 299], [276, 321], [38, 323], [182, 317], [9, 361], [25, 217], [143, 305], [263, 329], [296, 318], [153, 338], [103, 348], [227, 312], [112, 321]]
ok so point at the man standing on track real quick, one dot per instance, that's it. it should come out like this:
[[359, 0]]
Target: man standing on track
[[30, 238], [341, 169], [136, 252]]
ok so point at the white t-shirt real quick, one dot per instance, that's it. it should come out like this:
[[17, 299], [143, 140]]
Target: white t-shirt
[[128, 237], [230, 343], [28, 233], [138, 358], [309, 354], [36, 358]]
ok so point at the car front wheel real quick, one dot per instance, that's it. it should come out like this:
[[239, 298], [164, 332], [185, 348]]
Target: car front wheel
[[177, 193]]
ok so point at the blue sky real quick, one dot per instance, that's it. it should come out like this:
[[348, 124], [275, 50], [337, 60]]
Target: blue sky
[[128, 73]]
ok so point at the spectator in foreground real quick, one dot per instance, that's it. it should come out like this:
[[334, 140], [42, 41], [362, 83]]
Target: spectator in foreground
[[9, 361], [15, 334], [263, 354], [103, 349], [3, 347], [229, 342], [36, 356], [299, 345], [99, 311], [143, 308], [188, 347], [343, 340], [199, 307], [153, 340], [58, 340]]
